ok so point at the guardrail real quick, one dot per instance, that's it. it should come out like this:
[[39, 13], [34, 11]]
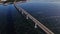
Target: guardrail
[[37, 23]]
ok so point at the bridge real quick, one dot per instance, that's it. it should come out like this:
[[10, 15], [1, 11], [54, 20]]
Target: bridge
[[29, 16]]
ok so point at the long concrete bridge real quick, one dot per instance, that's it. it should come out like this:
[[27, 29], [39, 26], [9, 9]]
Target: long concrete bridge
[[37, 23]]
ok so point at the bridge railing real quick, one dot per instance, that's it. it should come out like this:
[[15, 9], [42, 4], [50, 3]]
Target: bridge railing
[[24, 12]]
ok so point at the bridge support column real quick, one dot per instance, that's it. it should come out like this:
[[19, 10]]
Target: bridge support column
[[35, 26], [22, 12], [26, 16]]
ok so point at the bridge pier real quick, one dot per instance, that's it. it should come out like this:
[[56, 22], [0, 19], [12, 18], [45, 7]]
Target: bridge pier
[[22, 12], [26, 16], [35, 25]]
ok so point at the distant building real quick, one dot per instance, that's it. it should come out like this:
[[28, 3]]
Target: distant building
[[11, 0], [21, 0], [3, 0]]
